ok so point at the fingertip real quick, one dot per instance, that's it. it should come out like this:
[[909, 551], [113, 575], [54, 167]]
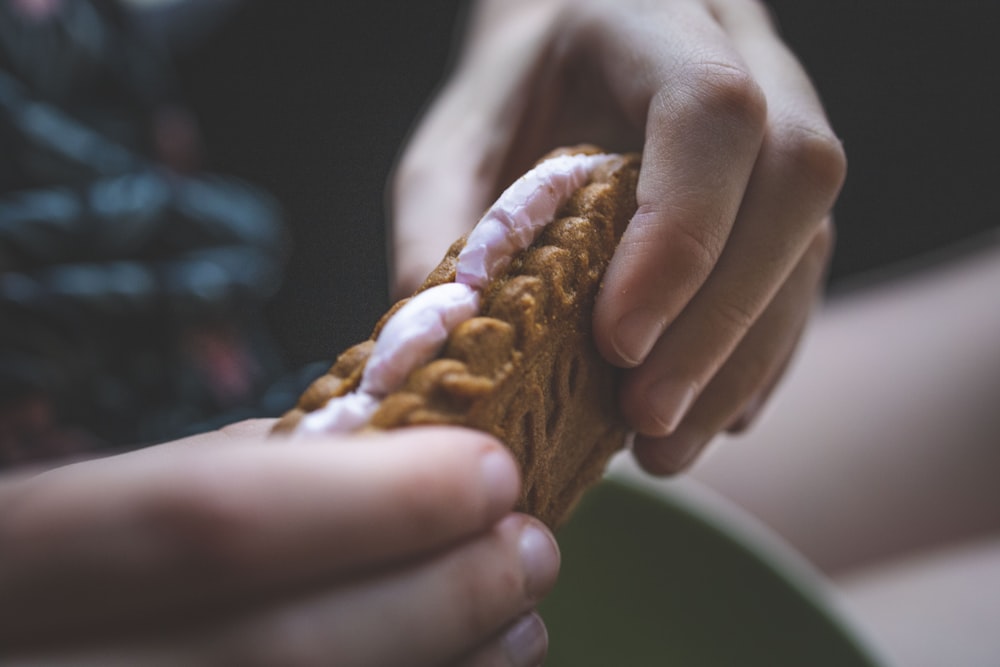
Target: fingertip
[[626, 324], [523, 643], [501, 480], [655, 407], [540, 557], [670, 455], [625, 339], [499, 476], [634, 334], [647, 284], [743, 421], [648, 458], [526, 641]]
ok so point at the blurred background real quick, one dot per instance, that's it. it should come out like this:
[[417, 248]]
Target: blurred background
[[280, 123], [313, 99]]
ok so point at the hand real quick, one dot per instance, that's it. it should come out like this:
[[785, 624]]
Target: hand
[[226, 549], [713, 281]]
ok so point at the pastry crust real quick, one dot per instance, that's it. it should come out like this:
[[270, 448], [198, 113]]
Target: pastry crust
[[526, 369]]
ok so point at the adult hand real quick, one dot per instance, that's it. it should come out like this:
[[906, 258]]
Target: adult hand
[[712, 283], [226, 549]]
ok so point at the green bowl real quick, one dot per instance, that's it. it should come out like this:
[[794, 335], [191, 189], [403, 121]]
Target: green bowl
[[656, 579]]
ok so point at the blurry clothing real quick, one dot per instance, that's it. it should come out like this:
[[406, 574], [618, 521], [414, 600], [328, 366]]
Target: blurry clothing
[[131, 283]]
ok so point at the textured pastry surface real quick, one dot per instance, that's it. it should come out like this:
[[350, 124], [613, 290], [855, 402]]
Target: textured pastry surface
[[526, 369]]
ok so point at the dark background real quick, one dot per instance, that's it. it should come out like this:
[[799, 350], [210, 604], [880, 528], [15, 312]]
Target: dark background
[[312, 99]]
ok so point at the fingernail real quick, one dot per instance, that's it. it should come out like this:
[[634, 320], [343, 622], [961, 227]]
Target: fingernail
[[635, 335], [669, 401], [539, 558], [501, 480], [526, 641]]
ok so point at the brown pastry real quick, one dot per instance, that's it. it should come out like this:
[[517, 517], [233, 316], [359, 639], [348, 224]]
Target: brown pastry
[[525, 368]]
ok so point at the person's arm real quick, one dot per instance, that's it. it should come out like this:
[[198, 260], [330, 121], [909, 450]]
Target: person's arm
[[714, 278], [229, 549]]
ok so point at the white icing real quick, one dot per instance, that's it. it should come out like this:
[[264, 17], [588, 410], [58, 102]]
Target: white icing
[[520, 214], [416, 332], [339, 415]]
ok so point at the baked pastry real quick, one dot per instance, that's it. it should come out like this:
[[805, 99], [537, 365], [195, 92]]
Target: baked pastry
[[499, 336]]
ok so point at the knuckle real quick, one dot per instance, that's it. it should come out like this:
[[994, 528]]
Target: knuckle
[[696, 242], [200, 525], [729, 91], [813, 155], [731, 315]]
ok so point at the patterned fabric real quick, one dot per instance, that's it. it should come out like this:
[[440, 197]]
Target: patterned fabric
[[131, 283]]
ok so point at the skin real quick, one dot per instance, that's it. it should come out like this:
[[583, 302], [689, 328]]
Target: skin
[[711, 285], [885, 433], [228, 549], [877, 459], [219, 549]]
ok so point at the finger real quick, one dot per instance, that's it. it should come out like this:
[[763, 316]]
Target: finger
[[798, 174], [751, 410], [524, 643], [750, 24], [237, 433], [751, 371], [820, 250], [436, 198], [155, 530], [434, 611], [423, 615], [450, 170], [704, 118]]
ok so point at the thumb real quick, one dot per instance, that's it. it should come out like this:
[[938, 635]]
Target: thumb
[[452, 167], [436, 196]]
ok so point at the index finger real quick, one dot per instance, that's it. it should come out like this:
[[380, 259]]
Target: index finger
[[151, 533], [704, 117]]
